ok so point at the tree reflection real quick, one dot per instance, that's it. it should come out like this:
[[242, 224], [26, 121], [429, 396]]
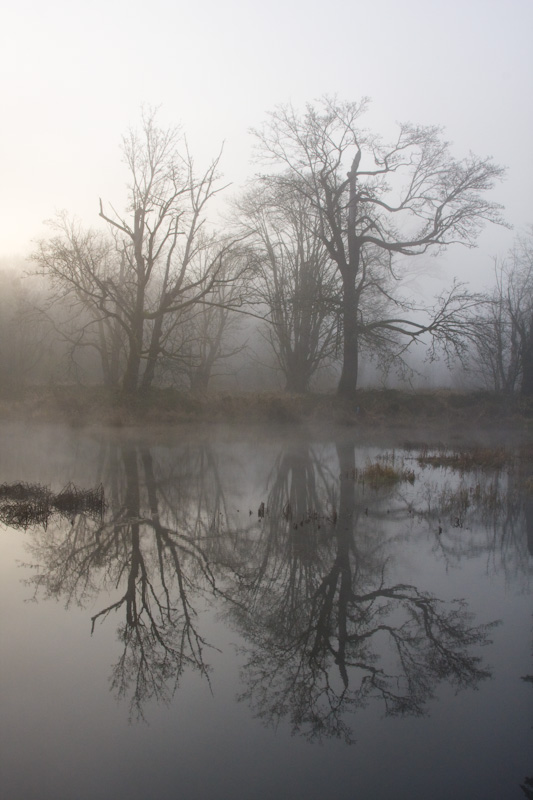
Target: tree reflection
[[526, 479], [330, 633], [326, 628], [153, 544], [159, 634]]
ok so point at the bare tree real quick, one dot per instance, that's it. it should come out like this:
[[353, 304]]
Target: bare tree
[[504, 344], [164, 258], [404, 198], [198, 341], [293, 278], [79, 263]]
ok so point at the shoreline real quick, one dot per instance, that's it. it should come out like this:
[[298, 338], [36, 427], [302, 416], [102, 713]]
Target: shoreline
[[371, 409]]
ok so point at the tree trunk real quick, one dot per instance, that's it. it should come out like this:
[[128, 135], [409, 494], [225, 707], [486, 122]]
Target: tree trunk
[[153, 354], [132, 504], [129, 381], [200, 380], [133, 364], [136, 330], [344, 535], [350, 301], [298, 381], [350, 364]]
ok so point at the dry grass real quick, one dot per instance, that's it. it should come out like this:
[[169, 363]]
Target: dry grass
[[383, 473], [528, 485], [26, 504], [467, 460]]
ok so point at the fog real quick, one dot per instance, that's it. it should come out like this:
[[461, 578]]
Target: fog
[[74, 78]]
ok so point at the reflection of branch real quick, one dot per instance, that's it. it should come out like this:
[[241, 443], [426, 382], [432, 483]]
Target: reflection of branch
[[291, 667], [157, 554], [159, 637], [347, 637]]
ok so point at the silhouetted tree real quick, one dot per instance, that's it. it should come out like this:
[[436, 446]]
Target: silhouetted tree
[[326, 632], [404, 198], [163, 259]]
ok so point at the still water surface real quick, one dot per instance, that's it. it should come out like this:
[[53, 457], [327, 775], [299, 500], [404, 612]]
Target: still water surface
[[360, 639]]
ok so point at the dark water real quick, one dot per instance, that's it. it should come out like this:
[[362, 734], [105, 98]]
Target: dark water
[[361, 640]]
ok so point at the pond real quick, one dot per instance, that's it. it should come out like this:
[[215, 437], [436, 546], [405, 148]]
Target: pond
[[226, 612]]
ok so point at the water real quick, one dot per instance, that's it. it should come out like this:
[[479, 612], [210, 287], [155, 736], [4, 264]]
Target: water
[[359, 640]]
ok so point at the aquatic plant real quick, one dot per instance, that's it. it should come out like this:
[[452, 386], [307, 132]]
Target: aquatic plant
[[28, 504]]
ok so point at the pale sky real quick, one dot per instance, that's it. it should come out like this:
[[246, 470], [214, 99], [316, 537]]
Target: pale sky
[[74, 76]]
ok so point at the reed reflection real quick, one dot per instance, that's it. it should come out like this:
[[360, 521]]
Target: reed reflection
[[481, 512]]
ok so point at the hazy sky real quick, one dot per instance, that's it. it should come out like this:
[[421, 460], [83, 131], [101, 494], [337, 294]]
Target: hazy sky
[[74, 76]]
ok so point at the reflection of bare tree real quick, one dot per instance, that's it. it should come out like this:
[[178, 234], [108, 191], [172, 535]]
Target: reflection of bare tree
[[526, 480], [286, 548], [301, 484], [347, 636], [153, 546], [160, 636], [308, 584]]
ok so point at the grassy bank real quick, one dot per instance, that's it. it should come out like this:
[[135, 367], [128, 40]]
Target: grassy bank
[[82, 406]]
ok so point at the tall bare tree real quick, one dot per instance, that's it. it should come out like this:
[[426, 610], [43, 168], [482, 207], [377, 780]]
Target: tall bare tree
[[163, 239], [165, 259], [406, 198]]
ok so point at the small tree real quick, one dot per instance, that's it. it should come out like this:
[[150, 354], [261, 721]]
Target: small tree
[[406, 198]]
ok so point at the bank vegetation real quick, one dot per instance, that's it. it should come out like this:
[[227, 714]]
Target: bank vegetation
[[372, 409]]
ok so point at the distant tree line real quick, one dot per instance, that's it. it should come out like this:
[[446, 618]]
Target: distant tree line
[[503, 342], [316, 247]]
